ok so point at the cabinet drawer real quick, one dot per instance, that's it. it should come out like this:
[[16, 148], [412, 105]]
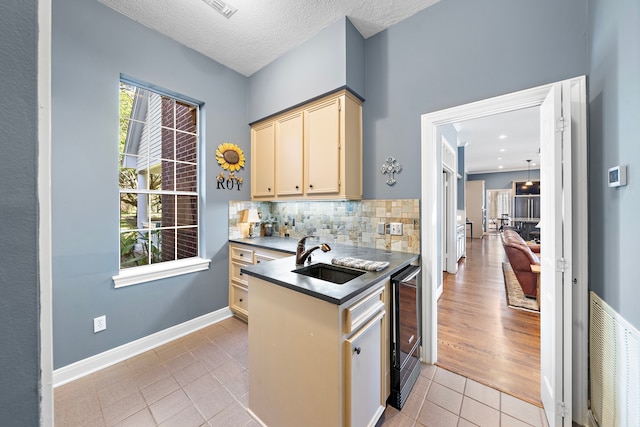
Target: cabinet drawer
[[236, 274], [239, 299], [360, 312], [242, 254], [260, 258], [265, 255]]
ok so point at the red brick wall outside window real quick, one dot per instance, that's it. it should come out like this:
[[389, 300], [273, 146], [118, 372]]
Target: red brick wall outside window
[[179, 210]]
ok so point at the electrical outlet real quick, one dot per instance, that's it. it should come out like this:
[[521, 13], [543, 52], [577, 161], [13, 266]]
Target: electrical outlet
[[395, 229], [381, 227], [99, 324]]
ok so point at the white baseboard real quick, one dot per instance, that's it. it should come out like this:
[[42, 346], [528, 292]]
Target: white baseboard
[[256, 418], [111, 357]]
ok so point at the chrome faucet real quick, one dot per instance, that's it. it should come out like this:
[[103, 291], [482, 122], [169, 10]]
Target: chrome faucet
[[302, 254]]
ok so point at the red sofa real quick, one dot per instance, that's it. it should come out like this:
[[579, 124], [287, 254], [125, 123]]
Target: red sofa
[[521, 256]]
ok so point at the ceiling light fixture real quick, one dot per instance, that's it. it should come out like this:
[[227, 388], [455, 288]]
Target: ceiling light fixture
[[502, 136], [223, 7], [528, 183]]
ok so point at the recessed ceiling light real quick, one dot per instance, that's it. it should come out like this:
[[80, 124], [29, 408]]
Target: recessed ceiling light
[[223, 7], [503, 150], [499, 158], [502, 136], [500, 167], [533, 164]]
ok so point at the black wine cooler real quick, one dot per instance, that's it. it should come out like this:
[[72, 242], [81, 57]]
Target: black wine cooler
[[405, 333]]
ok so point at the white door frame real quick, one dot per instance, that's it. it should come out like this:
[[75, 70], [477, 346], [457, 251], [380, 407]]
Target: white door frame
[[44, 211], [431, 168]]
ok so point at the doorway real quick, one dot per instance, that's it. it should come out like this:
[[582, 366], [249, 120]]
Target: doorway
[[573, 373], [500, 346]]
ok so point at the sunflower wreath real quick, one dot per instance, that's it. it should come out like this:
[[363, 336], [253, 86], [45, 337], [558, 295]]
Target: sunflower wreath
[[230, 157]]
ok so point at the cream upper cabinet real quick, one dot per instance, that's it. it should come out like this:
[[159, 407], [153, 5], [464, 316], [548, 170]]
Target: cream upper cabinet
[[289, 155], [322, 147], [263, 161], [318, 151]]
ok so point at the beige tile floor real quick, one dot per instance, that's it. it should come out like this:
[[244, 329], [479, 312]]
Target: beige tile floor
[[202, 380]]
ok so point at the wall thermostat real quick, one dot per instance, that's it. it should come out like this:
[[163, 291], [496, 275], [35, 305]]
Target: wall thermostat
[[618, 176]]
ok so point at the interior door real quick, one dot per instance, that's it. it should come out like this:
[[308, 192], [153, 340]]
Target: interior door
[[555, 236]]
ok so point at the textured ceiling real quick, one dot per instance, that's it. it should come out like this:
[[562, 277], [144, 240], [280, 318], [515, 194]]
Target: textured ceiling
[[260, 30]]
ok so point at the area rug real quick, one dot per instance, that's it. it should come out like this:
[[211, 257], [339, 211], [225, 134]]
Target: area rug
[[515, 296]]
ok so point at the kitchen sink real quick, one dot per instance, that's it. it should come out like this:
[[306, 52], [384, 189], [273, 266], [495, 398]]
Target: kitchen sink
[[330, 273]]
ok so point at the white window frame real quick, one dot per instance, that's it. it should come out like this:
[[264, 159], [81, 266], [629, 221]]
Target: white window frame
[[146, 273]]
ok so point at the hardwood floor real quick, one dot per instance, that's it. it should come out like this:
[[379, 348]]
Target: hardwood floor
[[481, 338]]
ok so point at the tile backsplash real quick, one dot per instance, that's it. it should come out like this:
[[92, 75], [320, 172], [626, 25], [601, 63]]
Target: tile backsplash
[[345, 222]]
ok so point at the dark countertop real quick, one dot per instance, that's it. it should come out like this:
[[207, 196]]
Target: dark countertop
[[280, 271], [282, 244]]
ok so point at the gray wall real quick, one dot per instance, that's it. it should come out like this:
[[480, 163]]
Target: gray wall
[[452, 53], [503, 180], [355, 60], [317, 66], [614, 108], [19, 282], [91, 46]]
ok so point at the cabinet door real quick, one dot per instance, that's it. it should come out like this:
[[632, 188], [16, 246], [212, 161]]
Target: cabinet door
[[363, 375], [289, 158], [239, 300], [263, 160], [535, 208], [521, 207], [322, 147]]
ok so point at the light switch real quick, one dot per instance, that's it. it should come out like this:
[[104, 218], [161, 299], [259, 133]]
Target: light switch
[[395, 229]]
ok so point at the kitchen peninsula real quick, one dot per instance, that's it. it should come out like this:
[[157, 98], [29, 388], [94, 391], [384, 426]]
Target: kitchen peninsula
[[318, 351]]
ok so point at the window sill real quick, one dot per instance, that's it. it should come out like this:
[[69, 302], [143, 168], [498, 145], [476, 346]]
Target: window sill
[[148, 273]]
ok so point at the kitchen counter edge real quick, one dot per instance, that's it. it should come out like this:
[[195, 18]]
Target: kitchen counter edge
[[280, 271]]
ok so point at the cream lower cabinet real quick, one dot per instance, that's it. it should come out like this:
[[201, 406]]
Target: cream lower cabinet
[[316, 152], [242, 256], [315, 363]]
